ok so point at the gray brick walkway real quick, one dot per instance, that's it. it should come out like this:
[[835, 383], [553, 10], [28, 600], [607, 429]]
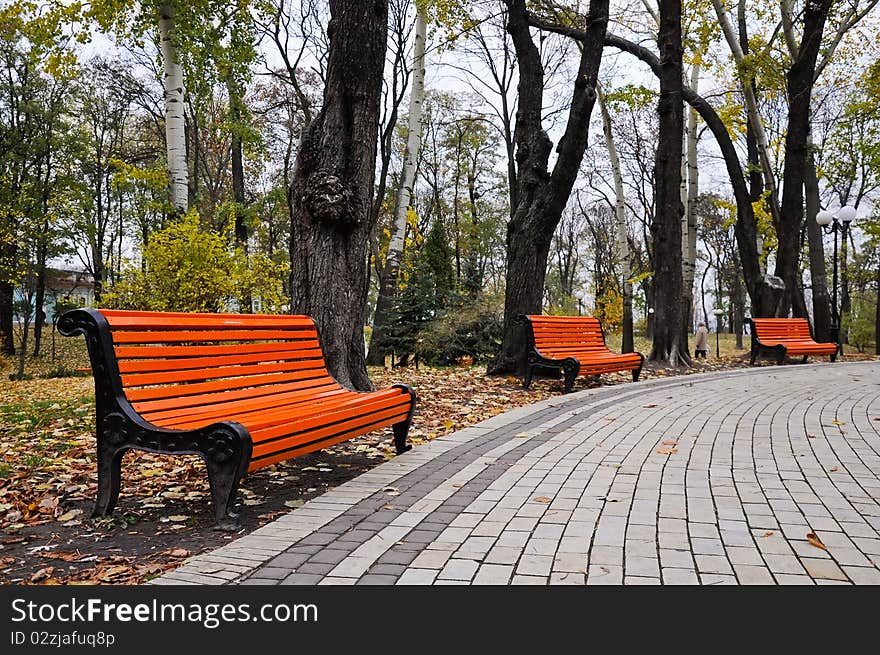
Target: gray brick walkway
[[704, 479]]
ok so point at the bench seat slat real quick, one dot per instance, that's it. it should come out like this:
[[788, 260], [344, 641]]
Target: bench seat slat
[[263, 401], [307, 419], [156, 393], [272, 439], [292, 449], [207, 399], [262, 415]]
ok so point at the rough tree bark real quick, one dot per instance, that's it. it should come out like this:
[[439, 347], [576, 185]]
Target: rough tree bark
[[237, 163], [8, 256], [388, 273], [175, 124], [333, 189], [799, 88], [670, 330], [542, 195]]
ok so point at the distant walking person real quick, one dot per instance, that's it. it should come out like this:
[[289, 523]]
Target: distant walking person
[[701, 343]]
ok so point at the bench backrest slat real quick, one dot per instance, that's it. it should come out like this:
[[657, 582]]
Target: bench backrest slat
[[567, 333], [176, 361]]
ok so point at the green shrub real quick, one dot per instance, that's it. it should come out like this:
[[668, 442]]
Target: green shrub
[[472, 330]]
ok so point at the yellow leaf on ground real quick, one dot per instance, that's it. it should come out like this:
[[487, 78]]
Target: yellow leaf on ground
[[815, 541]]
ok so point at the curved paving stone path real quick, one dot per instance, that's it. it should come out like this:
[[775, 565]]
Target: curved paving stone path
[[704, 479]]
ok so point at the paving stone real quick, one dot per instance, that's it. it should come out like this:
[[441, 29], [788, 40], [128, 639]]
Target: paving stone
[[431, 559], [788, 579], [862, 575], [493, 574], [642, 566], [539, 565], [753, 575], [605, 575], [784, 564], [680, 576], [458, 569], [713, 564], [529, 580], [676, 559], [570, 562], [563, 578], [414, 576], [824, 569]]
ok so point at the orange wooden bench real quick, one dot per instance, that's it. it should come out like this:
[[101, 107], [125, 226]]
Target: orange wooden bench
[[241, 391], [783, 337], [574, 345]]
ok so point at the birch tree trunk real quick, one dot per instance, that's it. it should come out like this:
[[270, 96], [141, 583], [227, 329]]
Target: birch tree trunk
[[623, 253], [689, 236], [175, 133], [751, 102], [388, 274], [818, 273]]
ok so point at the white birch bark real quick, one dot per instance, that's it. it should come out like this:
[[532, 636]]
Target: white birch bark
[[175, 134], [621, 244], [752, 112], [413, 140]]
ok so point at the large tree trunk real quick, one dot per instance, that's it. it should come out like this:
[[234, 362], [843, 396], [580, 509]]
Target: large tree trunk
[[388, 273], [670, 330], [622, 243], [333, 189], [175, 125], [818, 272], [7, 295], [541, 195], [40, 296], [799, 87], [237, 164]]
